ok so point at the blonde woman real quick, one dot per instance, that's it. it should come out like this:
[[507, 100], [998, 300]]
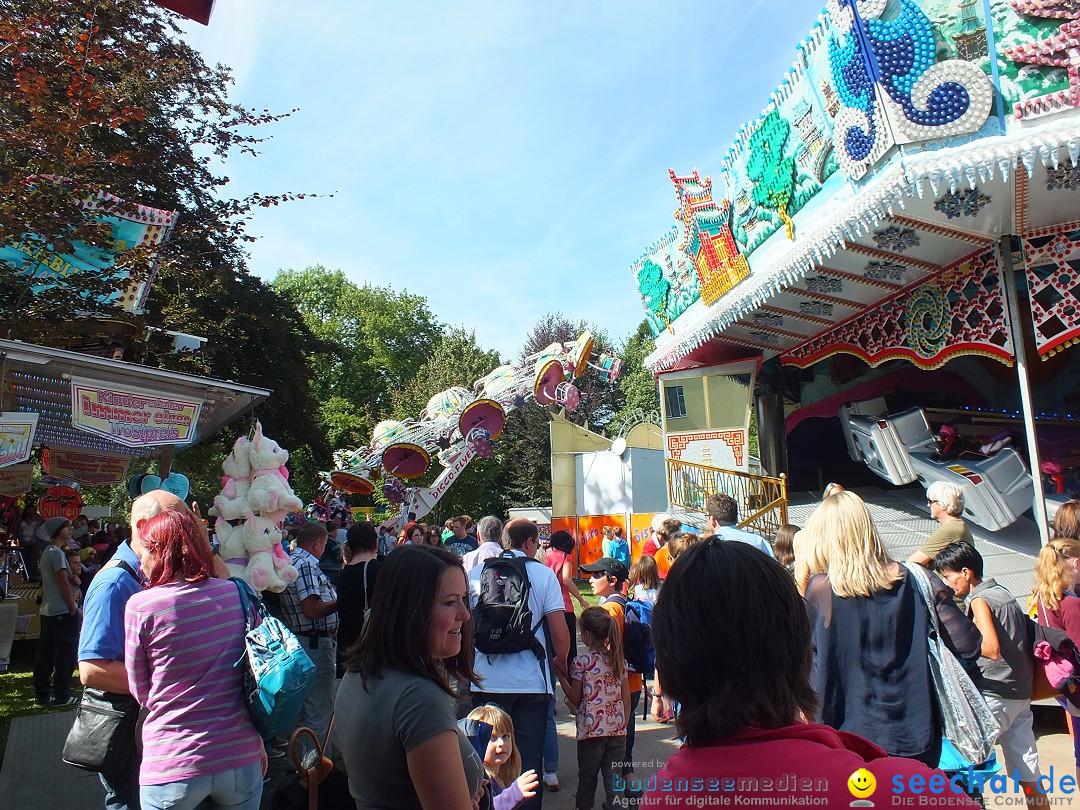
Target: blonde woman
[[800, 541], [1057, 572], [869, 625]]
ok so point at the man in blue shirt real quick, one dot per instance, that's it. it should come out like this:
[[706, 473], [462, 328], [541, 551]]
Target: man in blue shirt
[[460, 542], [101, 644], [723, 515]]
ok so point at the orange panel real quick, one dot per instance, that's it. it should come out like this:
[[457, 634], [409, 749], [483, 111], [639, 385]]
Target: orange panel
[[639, 531], [567, 524], [590, 535]]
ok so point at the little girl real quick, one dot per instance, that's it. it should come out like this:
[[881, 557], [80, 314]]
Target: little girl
[[508, 785], [599, 690], [644, 580]]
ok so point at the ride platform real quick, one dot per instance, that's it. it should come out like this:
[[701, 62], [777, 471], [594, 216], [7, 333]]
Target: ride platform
[[903, 520]]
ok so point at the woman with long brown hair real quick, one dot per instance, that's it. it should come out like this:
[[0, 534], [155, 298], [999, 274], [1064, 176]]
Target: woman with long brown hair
[[395, 712]]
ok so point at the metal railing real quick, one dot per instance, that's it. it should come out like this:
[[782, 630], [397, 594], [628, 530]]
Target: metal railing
[[762, 499]]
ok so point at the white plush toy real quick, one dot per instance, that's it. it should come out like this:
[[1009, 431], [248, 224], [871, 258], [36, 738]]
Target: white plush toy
[[270, 494], [256, 490], [231, 546], [268, 568], [232, 503]]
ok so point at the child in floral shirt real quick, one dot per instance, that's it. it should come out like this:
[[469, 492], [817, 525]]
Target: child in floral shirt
[[598, 689]]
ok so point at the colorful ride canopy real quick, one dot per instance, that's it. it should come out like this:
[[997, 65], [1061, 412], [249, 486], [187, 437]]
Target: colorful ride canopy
[[906, 139], [461, 423]]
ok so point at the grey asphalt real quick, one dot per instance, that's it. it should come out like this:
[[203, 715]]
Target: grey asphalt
[[34, 778]]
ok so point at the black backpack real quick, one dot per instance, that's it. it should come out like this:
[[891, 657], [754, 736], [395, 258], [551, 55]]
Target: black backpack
[[502, 618]]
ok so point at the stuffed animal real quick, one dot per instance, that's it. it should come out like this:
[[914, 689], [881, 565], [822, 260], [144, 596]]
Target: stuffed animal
[[232, 503], [231, 546], [270, 494], [268, 567]]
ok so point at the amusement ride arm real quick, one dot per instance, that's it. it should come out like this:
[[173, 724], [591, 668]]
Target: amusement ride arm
[[422, 500]]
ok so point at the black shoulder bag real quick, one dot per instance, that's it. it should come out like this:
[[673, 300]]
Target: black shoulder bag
[[103, 737]]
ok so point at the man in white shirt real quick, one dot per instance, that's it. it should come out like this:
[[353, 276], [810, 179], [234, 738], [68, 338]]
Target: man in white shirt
[[489, 532], [520, 682]]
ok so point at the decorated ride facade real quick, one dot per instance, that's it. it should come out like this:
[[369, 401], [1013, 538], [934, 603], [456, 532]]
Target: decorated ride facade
[[884, 272]]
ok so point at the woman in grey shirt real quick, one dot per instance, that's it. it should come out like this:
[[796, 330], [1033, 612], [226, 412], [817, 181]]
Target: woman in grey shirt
[[395, 714]]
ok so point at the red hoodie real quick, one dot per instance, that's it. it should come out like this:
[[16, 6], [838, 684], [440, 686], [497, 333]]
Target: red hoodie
[[799, 765]]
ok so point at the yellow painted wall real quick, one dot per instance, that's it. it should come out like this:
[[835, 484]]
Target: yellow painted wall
[[647, 436], [568, 439], [729, 401], [694, 398]]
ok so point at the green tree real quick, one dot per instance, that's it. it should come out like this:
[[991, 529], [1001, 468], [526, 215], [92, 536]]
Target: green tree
[[638, 386], [374, 340]]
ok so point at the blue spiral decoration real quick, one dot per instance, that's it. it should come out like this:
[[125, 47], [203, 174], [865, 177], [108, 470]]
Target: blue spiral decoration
[[856, 91], [902, 51], [872, 59]]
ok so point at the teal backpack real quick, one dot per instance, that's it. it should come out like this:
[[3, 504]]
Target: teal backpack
[[277, 671]]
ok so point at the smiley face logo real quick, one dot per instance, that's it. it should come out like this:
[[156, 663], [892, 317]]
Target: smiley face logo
[[862, 783]]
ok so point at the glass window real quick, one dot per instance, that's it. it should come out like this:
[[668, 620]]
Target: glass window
[[674, 402]]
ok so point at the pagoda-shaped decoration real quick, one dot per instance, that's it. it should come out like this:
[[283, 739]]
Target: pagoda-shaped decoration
[[970, 36], [709, 240]]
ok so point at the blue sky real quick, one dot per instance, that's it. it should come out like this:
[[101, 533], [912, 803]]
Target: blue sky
[[502, 158]]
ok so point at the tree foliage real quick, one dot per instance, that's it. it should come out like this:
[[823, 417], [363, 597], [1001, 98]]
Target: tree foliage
[[103, 97], [374, 339], [639, 390]]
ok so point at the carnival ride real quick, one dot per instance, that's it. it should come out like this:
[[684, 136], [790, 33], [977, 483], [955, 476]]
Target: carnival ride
[[460, 424], [902, 448]]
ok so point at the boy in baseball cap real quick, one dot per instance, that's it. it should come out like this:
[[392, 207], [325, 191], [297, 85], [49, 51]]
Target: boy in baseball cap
[[614, 571]]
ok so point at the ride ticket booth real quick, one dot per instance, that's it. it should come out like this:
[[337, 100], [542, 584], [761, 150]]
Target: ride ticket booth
[[895, 241], [89, 416]]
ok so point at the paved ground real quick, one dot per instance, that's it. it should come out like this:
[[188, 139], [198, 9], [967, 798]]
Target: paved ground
[[34, 778]]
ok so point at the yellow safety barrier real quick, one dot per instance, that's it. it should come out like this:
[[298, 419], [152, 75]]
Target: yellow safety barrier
[[762, 499]]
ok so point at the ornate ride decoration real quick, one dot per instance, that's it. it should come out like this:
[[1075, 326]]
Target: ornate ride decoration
[[709, 240], [961, 311], [1052, 266]]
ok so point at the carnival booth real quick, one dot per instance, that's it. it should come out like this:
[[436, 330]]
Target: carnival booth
[[900, 225], [598, 481], [91, 416]]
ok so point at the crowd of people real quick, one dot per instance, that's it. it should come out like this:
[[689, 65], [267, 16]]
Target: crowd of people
[[819, 666]]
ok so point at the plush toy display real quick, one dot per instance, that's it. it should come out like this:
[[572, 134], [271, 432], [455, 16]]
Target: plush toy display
[[232, 503], [270, 493], [254, 500], [268, 568]]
